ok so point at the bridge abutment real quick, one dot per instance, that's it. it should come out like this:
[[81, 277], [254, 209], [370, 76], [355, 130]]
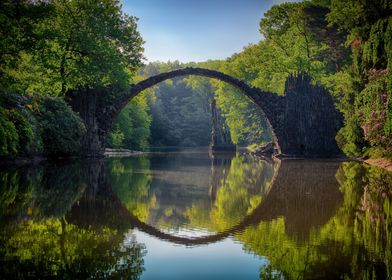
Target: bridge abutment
[[90, 105], [305, 120]]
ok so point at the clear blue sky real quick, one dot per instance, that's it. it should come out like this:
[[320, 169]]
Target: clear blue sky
[[197, 30]]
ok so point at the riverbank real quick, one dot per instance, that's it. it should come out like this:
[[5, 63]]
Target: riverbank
[[121, 153], [20, 161]]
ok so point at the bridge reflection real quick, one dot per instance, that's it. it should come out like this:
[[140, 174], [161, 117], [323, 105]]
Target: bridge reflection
[[306, 217], [305, 193]]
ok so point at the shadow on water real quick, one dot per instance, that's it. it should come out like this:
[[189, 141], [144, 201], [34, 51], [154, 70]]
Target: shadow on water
[[310, 219]]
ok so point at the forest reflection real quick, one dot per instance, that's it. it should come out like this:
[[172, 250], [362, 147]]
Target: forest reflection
[[191, 194], [310, 219], [38, 239]]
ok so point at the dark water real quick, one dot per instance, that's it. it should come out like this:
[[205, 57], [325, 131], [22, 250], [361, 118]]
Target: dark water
[[188, 216]]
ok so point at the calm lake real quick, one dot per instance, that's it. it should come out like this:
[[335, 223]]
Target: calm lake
[[186, 215]]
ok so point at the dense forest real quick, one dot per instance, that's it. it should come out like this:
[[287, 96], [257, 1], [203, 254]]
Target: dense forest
[[50, 48]]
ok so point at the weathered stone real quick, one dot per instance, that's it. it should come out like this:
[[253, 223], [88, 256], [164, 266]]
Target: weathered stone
[[304, 121], [265, 150]]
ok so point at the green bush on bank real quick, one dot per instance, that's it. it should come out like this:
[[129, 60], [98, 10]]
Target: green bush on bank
[[19, 133], [8, 135], [30, 141], [61, 128], [36, 126]]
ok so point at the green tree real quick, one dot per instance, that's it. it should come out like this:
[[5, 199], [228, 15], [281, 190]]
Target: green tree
[[131, 128], [52, 47], [180, 110], [368, 25], [83, 44]]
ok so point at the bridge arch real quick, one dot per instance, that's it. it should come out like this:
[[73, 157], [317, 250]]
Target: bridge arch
[[254, 94], [304, 122]]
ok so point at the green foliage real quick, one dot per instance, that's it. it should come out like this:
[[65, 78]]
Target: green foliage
[[52, 47], [240, 186], [350, 137], [61, 128], [292, 44], [19, 130], [368, 104], [244, 118], [179, 117], [132, 186], [315, 37], [372, 110], [296, 38], [180, 109], [74, 44], [30, 126], [58, 249], [30, 142], [19, 21], [8, 135], [116, 138], [131, 128]]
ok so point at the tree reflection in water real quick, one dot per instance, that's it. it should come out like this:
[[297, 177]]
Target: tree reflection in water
[[311, 219], [188, 194], [38, 239], [353, 243]]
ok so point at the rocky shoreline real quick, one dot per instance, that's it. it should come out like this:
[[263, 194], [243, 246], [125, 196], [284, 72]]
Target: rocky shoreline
[[121, 152], [379, 162]]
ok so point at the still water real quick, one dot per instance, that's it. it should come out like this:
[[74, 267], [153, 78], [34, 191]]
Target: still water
[[186, 215]]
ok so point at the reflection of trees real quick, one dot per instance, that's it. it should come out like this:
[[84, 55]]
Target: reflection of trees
[[54, 248], [354, 242], [44, 238], [178, 198], [16, 190], [61, 186], [41, 191], [241, 191], [319, 220], [130, 180]]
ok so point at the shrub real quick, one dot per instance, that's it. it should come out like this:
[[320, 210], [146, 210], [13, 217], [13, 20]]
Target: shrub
[[61, 128], [8, 135], [30, 141], [19, 131], [350, 138], [116, 138]]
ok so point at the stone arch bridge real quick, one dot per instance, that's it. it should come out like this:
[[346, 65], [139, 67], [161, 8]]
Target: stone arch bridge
[[304, 121]]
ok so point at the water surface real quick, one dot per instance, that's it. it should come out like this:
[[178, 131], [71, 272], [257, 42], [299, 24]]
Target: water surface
[[186, 215]]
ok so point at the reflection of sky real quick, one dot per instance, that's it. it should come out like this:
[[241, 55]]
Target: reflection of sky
[[188, 232], [188, 30], [222, 260]]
